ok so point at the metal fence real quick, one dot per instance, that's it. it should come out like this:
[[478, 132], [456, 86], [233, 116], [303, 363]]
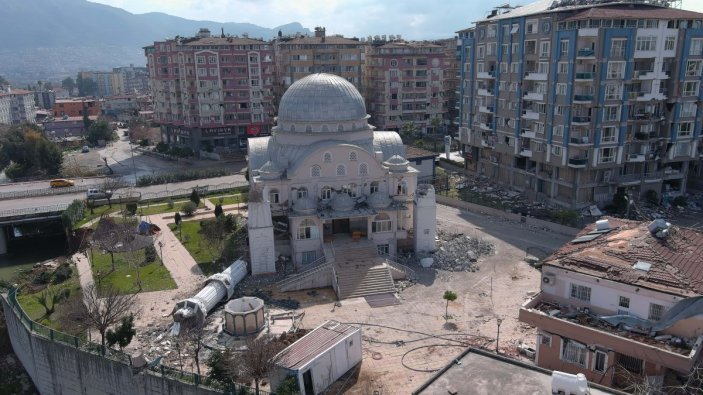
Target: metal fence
[[16, 212], [45, 191], [53, 335], [184, 192]]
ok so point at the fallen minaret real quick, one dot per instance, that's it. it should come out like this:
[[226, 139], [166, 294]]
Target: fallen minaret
[[217, 287]]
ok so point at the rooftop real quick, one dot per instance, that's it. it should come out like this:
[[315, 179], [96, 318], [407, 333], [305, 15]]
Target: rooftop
[[321, 40], [223, 41], [676, 260], [305, 350], [418, 153], [634, 13], [486, 373]]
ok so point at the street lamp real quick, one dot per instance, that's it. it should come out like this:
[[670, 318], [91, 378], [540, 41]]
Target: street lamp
[[498, 321], [161, 251], [134, 167]]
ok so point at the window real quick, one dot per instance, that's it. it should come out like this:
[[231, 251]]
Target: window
[[301, 192], [696, 48], [201, 59], [600, 362], [611, 113], [573, 352], [647, 43], [561, 89], [609, 135], [350, 190], [688, 109], [616, 70], [363, 169], [624, 302], [546, 340], [685, 129], [563, 48], [374, 187], [341, 170], [617, 48], [631, 364], [558, 130], [315, 171], [543, 67], [352, 155], [607, 155], [307, 230], [544, 49], [563, 67], [309, 257], [693, 68], [381, 223], [690, 88], [682, 149], [383, 249], [613, 91], [326, 193], [274, 196], [327, 157], [581, 292], [670, 43], [556, 150]]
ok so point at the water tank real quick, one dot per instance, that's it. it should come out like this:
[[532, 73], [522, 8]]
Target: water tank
[[602, 224], [566, 383], [244, 316]]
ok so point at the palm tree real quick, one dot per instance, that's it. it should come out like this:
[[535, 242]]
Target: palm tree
[[449, 296]]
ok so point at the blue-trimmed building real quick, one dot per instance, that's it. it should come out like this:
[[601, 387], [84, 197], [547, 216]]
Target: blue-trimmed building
[[571, 100]]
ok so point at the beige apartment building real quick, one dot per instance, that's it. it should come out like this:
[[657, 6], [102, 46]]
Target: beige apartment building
[[569, 101]]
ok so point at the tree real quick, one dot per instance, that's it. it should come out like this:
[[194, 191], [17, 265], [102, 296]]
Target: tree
[[257, 360], [188, 208], [110, 185], [138, 131], [110, 236], [218, 210], [436, 124], [3, 81], [123, 334], [193, 335], [98, 131], [106, 310], [69, 84], [195, 197], [214, 233], [217, 363], [48, 299], [449, 296], [408, 132], [25, 151], [86, 86], [178, 220]]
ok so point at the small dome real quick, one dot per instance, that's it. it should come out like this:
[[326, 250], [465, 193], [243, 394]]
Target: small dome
[[321, 98], [270, 171], [342, 202], [397, 163], [379, 200], [305, 205]]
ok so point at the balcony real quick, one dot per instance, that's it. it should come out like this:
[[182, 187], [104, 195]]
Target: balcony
[[671, 174], [526, 152], [587, 328], [485, 92], [535, 76], [654, 176], [588, 76], [583, 98], [530, 114], [527, 133], [579, 140], [635, 158], [586, 53], [580, 120], [483, 75], [486, 109], [487, 144], [534, 96], [486, 125], [578, 163], [464, 135]]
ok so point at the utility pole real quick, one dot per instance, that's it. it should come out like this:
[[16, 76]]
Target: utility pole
[[134, 167], [498, 321]]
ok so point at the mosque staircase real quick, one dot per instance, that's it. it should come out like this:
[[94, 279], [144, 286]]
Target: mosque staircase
[[315, 276], [361, 278]]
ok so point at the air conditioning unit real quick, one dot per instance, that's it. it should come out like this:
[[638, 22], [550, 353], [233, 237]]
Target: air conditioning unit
[[549, 279]]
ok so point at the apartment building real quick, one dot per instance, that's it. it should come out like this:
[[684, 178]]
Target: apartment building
[[211, 92], [622, 304], [76, 107], [570, 101], [131, 80], [298, 57], [17, 106], [411, 83]]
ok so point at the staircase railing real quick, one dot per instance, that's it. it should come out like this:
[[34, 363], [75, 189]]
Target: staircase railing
[[315, 267], [392, 261]]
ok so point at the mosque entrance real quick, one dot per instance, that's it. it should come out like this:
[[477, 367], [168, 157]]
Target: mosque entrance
[[340, 225]]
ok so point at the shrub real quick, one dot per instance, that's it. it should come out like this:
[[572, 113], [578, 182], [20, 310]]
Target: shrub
[[177, 218], [131, 208], [218, 365], [289, 386], [62, 273], [187, 175], [230, 223], [161, 148], [149, 254], [169, 203], [651, 197], [188, 208], [42, 278], [680, 201], [218, 210], [194, 197]]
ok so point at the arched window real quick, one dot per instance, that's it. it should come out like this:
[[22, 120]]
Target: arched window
[[307, 230], [315, 171], [363, 169], [350, 190], [402, 188], [341, 170], [381, 223], [326, 193], [327, 157], [374, 187], [274, 196], [352, 155], [302, 192]]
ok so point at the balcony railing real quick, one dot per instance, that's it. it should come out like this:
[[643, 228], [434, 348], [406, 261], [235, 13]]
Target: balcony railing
[[585, 53], [578, 162], [586, 76], [579, 140], [583, 98], [581, 119]]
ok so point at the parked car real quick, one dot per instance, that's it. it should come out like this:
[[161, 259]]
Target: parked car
[[85, 149], [94, 193], [60, 183]]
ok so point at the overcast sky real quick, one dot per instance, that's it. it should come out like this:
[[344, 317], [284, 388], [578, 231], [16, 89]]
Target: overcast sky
[[413, 19]]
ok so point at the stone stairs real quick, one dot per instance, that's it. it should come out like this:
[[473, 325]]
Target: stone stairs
[[362, 277]]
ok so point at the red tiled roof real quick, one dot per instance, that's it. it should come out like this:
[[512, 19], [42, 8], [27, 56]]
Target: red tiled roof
[[634, 13], [416, 153], [314, 344], [677, 260]]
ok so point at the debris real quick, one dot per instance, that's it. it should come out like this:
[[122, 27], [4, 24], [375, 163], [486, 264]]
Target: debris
[[460, 253]]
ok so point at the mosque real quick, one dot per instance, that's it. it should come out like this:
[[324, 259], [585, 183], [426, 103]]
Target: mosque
[[329, 192]]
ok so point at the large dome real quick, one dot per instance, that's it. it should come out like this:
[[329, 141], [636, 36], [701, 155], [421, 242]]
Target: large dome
[[321, 98]]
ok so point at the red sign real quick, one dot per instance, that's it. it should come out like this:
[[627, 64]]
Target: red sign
[[253, 130]]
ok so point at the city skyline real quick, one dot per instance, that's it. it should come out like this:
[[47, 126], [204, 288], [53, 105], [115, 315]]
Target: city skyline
[[360, 18]]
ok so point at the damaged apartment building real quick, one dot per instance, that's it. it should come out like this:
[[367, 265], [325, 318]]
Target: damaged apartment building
[[622, 304]]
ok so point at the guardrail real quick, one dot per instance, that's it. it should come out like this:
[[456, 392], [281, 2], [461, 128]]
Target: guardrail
[[32, 210], [46, 191], [317, 266], [392, 261]]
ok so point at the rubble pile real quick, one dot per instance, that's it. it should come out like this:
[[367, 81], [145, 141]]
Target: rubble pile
[[459, 253], [489, 190]]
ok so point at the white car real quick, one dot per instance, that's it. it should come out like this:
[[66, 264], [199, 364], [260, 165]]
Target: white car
[[94, 193]]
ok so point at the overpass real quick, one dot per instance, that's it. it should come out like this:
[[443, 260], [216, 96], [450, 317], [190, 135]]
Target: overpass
[[28, 222]]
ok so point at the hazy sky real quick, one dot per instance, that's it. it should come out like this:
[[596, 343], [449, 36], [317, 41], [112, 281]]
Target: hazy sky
[[413, 19]]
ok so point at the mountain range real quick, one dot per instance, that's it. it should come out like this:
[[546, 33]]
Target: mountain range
[[49, 39]]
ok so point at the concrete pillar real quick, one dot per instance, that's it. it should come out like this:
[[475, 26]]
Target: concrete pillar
[[261, 241], [3, 241], [425, 219]]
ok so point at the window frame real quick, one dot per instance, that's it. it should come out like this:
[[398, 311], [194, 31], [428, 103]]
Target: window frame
[[604, 360], [574, 352], [580, 292]]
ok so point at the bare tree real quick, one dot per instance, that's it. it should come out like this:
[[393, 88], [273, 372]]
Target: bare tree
[[257, 360], [107, 310], [110, 185], [112, 237], [194, 335], [215, 234], [638, 384]]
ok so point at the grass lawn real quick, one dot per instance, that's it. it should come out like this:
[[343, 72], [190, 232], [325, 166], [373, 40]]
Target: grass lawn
[[61, 319], [154, 276], [97, 212], [230, 199], [162, 208], [193, 241]]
